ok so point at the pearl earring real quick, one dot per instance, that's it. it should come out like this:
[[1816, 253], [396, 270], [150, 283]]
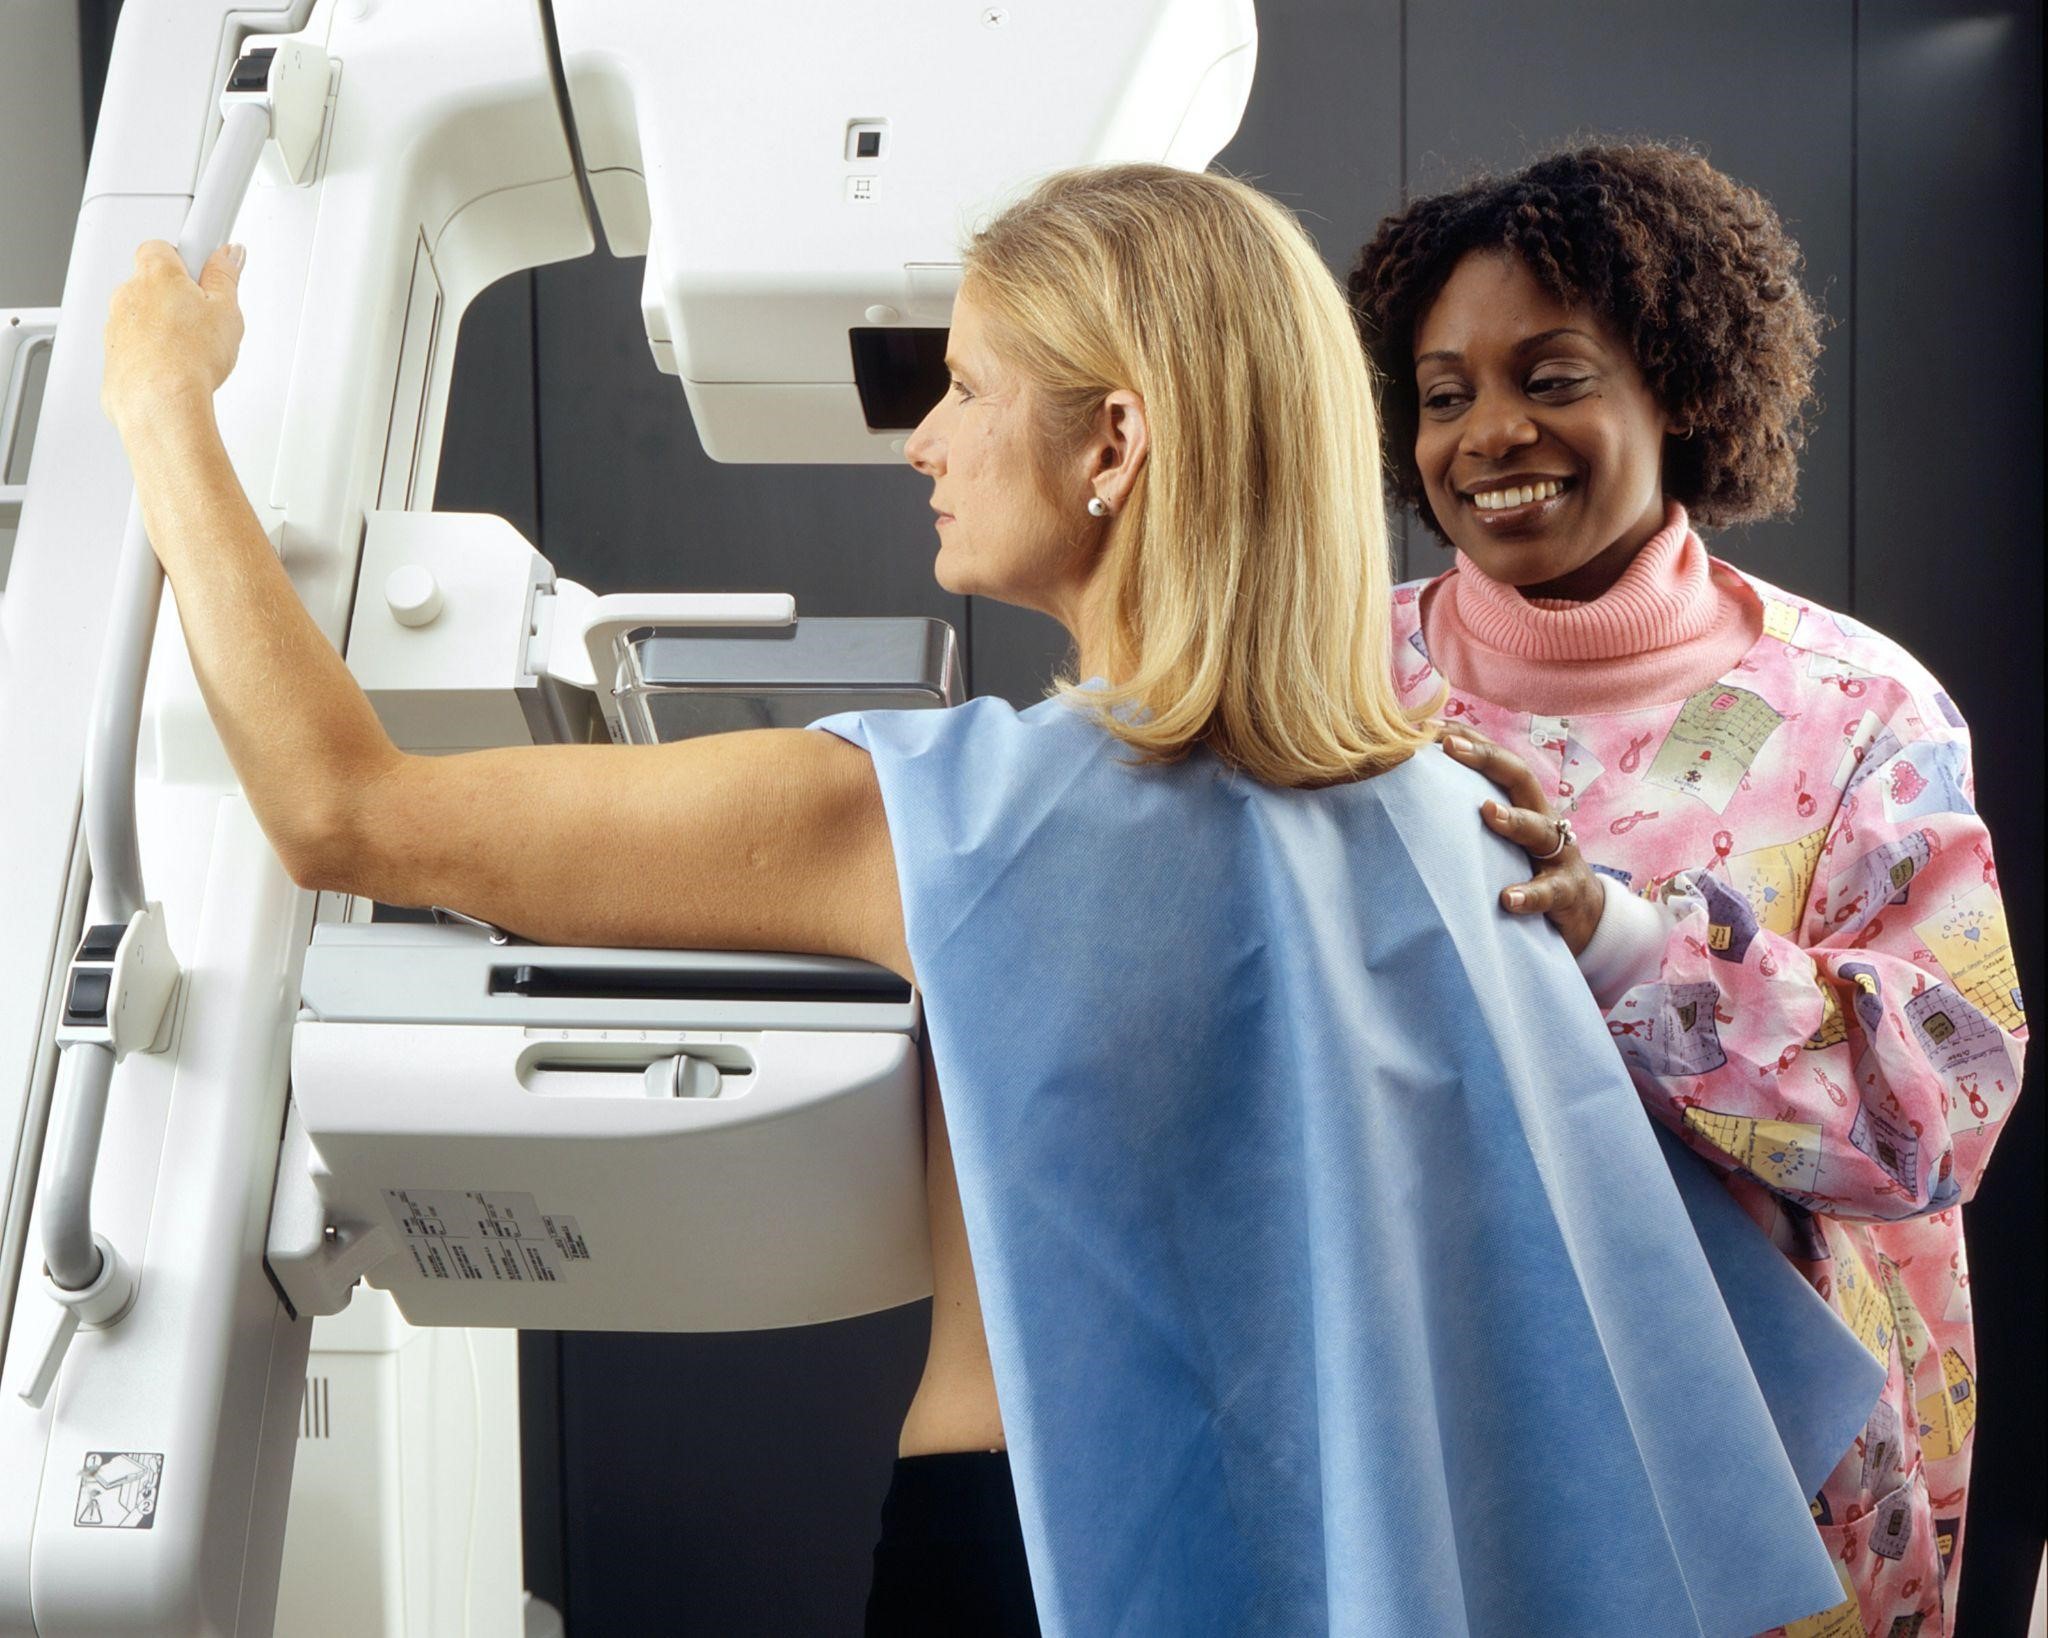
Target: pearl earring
[[1097, 507]]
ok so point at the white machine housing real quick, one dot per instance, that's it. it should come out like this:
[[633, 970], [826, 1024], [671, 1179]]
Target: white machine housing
[[503, 1134], [146, 1492], [723, 142]]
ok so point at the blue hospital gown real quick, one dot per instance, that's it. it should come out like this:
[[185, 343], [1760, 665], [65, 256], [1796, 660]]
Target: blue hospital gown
[[1333, 1279]]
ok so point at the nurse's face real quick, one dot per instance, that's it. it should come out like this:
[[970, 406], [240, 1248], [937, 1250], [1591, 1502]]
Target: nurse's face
[[1002, 534], [1540, 445]]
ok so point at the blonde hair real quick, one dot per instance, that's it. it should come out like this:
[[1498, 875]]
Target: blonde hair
[[1246, 584]]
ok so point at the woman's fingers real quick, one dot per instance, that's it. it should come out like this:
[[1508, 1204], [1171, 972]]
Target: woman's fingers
[[1502, 766], [157, 256], [1539, 897], [1565, 887], [222, 273], [1535, 833]]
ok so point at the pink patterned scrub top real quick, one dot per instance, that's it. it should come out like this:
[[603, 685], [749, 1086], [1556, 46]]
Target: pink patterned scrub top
[[1825, 1007]]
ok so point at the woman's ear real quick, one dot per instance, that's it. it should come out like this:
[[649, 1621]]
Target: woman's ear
[[1117, 452]]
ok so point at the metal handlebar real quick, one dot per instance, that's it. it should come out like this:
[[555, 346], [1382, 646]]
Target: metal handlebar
[[70, 1252], [139, 578]]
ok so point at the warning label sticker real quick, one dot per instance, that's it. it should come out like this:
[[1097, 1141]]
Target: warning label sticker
[[473, 1234], [117, 1490]]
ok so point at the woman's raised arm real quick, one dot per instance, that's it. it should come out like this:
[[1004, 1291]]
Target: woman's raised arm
[[772, 840]]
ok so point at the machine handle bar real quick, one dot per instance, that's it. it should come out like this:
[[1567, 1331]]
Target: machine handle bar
[[116, 725], [114, 855]]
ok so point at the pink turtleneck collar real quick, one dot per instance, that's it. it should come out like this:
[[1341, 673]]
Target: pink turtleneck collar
[[1674, 622]]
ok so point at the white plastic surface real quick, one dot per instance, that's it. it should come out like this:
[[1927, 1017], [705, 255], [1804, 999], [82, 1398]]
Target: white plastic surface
[[22, 330], [583, 649], [295, 96], [793, 1196], [405, 1496], [413, 595], [441, 646], [761, 259], [444, 142]]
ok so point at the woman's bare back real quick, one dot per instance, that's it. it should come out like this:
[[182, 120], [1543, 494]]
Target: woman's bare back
[[955, 1405]]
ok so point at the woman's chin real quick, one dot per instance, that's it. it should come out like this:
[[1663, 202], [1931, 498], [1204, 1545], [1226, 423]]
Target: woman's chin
[[960, 574], [1518, 560], [953, 575]]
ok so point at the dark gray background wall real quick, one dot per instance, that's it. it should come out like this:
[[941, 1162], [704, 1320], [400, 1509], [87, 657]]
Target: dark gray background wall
[[729, 1485]]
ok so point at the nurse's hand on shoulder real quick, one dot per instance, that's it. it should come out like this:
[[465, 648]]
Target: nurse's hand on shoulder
[[171, 341], [1564, 887]]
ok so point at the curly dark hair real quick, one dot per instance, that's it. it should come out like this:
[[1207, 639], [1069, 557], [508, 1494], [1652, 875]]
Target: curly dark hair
[[1692, 269]]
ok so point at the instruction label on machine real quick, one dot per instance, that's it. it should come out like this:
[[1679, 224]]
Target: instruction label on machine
[[471, 1234], [117, 1490]]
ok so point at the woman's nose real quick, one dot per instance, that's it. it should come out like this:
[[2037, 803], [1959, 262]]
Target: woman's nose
[[1495, 426], [924, 449]]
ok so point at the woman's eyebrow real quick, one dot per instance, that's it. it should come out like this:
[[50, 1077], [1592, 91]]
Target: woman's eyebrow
[[1528, 343], [1444, 355]]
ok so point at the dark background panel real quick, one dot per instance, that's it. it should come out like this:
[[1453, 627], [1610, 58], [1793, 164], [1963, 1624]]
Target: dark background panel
[[731, 1485], [1016, 652], [490, 441], [1948, 561], [1766, 88]]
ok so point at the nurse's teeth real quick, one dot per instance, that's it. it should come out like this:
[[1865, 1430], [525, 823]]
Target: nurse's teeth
[[1494, 500]]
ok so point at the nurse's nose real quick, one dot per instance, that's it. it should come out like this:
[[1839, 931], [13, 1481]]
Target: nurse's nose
[[1495, 426]]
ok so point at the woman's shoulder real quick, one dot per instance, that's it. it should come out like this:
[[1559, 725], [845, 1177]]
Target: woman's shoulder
[[979, 754], [984, 717], [1832, 646]]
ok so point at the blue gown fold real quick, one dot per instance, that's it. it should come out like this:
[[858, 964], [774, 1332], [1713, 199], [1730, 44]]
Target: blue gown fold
[[1333, 1275]]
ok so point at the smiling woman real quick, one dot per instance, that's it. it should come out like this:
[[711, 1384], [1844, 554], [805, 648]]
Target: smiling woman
[[1637, 277], [1537, 436], [1579, 362]]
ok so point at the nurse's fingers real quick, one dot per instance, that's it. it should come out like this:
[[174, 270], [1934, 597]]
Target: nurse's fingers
[[1514, 776], [1546, 895], [1538, 833]]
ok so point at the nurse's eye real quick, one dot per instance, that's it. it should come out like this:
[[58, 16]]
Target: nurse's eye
[[960, 387], [1446, 400], [1557, 385]]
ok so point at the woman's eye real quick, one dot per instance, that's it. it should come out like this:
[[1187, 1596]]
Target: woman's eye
[[1557, 383], [1442, 399], [961, 388]]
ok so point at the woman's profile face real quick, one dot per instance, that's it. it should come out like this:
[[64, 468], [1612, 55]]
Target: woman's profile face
[[1000, 534], [1539, 443]]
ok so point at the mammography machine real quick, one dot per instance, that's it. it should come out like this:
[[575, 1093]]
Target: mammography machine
[[226, 1105]]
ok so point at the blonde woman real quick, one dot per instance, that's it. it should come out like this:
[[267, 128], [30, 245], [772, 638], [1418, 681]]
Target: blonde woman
[[1323, 1275]]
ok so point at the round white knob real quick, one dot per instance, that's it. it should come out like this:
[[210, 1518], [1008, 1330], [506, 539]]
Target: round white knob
[[413, 595], [882, 313]]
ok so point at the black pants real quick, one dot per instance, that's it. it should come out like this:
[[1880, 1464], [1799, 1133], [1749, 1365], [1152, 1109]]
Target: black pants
[[951, 1558]]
